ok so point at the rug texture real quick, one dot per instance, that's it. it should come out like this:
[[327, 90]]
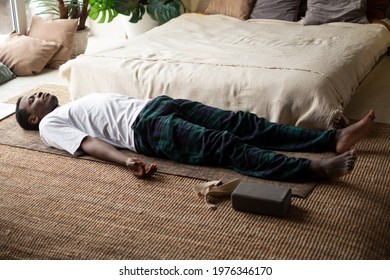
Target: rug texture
[[12, 134], [56, 207], [59, 207]]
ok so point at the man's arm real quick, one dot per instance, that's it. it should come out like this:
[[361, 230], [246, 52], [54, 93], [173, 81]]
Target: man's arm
[[107, 152]]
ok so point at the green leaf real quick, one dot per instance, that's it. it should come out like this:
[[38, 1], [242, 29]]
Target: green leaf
[[137, 13], [159, 10], [163, 10], [132, 8], [126, 7], [102, 10], [48, 7]]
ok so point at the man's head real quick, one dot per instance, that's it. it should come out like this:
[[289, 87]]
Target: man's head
[[31, 109]]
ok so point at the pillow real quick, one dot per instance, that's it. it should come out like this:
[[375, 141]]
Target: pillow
[[277, 9], [61, 31], [377, 8], [5, 74], [202, 5], [234, 8], [324, 11], [25, 55]]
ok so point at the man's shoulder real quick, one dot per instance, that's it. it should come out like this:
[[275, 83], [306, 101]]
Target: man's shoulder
[[58, 115]]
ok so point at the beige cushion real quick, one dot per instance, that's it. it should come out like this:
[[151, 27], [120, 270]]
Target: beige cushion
[[26, 55], [61, 31], [202, 5], [240, 9]]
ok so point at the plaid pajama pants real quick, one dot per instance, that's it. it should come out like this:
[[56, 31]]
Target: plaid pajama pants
[[191, 132]]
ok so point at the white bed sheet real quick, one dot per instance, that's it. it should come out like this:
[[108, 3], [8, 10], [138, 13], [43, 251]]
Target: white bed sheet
[[284, 71]]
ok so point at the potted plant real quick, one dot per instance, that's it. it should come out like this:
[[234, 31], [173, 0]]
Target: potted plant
[[72, 9], [64, 9], [102, 10], [139, 16], [159, 10]]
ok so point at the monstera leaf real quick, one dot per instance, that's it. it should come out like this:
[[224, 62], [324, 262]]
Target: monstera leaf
[[163, 11], [159, 10], [133, 8], [102, 10]]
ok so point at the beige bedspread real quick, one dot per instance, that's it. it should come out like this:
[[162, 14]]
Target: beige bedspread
[[284, 71]]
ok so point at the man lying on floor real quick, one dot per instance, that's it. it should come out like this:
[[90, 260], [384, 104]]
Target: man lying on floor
[[187, 132]]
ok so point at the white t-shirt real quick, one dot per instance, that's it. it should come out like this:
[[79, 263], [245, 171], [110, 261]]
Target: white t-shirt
[[107, 117]]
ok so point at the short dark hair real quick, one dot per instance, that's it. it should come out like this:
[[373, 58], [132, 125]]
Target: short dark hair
[[22, 118]]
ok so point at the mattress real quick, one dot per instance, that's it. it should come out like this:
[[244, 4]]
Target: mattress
[[280, 70]]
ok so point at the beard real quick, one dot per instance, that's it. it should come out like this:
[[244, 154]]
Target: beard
[[48, 105], [53, 103]]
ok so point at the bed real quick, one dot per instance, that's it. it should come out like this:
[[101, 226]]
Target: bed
[[282, 70]]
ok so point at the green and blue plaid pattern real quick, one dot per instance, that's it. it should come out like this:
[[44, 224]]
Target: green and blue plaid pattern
[[191, 132]]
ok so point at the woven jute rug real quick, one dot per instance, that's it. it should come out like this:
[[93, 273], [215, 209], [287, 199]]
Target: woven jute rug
[[13, 135], [57, 207]]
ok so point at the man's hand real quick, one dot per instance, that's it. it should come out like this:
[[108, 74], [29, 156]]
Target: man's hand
[[138, 168], [105, 151]]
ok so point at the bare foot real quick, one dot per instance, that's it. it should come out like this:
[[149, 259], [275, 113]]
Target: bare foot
[[347, 137], [333, 168]]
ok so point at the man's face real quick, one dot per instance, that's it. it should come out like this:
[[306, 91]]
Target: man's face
[[38, 104]]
